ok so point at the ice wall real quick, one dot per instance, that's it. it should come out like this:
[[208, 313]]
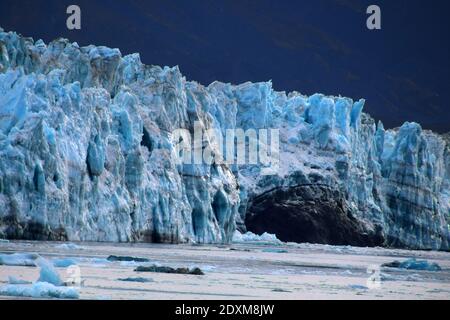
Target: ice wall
[[87, 153]]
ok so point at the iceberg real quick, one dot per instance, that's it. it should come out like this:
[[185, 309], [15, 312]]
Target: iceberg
[[87, 154]]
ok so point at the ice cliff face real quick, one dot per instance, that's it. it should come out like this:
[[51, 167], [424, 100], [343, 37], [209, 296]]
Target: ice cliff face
[[86, 150], [87, 153]]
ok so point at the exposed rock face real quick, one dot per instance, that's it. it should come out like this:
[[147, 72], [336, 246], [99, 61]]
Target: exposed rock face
[[87, 153], [309, 213]]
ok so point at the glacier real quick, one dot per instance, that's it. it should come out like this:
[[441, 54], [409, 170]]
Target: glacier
[[87, 154]]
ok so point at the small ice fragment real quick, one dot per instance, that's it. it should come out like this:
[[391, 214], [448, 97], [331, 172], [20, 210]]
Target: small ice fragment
[[208, 268], [358, 287], [272, 250], [69, 246], [347, 273]]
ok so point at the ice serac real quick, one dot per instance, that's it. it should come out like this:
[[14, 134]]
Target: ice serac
[[87, 153]]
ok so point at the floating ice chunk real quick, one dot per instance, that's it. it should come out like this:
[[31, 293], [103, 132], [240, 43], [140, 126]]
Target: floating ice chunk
[[19, 259], [48, 272], [14, 280], [39, 290], [4, 241], [69, 246], [358, 287], [413, 264], [207, 268], [64, 263], [251, 237], [347, 273]]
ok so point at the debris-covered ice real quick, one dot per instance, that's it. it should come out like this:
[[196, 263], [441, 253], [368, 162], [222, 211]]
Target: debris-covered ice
[[164, 269], [274, 250], [413, 264]]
